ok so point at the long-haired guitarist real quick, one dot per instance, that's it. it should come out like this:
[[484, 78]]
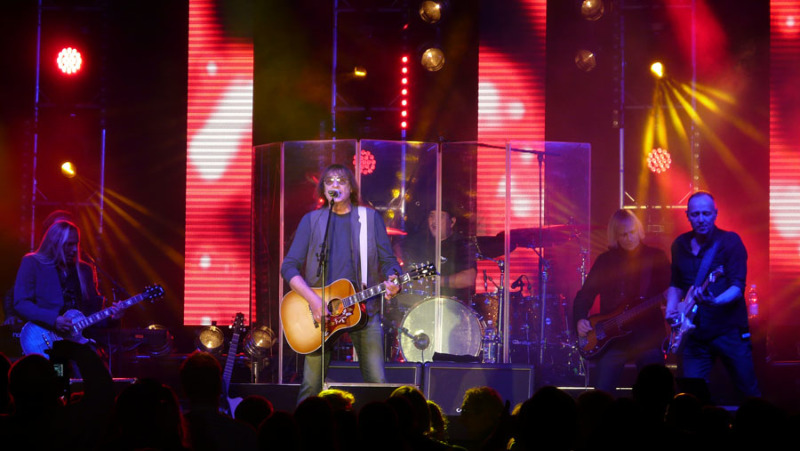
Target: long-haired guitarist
[[720, 323], [337, 185], [626, 275], [54, 279]]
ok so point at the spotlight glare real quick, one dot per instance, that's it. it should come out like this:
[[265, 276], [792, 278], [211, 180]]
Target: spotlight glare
[[592, 9], [657, 69], [432, 59], [360, 72], [69, 60], [68, 170], [430, 12]]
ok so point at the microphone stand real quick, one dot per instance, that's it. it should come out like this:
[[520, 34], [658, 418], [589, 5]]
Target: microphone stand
[[322, 272]]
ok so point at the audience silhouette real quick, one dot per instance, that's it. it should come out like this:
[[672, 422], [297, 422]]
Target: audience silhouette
[[39, 412]]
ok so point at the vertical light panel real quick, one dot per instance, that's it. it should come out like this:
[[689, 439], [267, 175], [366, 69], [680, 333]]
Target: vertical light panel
[[218, 172], [784, 230], [511, 106]]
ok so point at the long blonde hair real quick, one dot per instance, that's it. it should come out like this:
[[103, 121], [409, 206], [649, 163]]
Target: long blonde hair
[[51, 249]]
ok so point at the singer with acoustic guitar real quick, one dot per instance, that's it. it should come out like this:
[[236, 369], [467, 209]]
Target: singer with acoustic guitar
[[630, 279], [719, 328], [337, 187]]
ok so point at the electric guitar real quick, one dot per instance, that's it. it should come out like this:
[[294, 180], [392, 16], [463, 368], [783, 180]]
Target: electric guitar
[[228, 404], [687, 310], [343, 312], [35, 339], [610, 326]]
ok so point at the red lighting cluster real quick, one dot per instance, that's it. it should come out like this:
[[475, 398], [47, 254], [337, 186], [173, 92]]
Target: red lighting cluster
[[367, 162], [69, 60], [659, 160], [404, 93]]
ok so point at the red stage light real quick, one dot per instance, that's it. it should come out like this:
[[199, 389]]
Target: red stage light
[[69, 60], [367, 162], [404, 124], [659, 160]]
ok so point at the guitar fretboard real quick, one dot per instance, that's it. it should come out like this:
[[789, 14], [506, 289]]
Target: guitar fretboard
[[106, 313], [362, 296]]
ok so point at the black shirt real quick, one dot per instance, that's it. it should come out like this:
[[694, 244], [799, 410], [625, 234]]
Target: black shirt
[[731, 255], [623, 277]]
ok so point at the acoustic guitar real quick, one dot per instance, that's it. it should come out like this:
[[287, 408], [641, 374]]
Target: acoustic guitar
[[343, 311]]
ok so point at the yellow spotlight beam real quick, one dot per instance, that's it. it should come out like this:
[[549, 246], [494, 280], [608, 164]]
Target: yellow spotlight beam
[[712, 106], [715, 141]]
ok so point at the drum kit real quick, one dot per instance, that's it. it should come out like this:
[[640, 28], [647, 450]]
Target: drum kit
[[418, 323]]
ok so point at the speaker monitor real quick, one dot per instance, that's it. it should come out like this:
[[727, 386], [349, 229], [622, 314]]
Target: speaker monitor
[[396, 373], [446, 383]]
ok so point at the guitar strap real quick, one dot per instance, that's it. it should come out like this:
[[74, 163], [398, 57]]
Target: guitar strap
[[362, 244], [705, 264]]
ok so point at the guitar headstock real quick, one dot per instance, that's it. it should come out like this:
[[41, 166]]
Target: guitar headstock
[[238, 323], [153, 292], [422, 271]]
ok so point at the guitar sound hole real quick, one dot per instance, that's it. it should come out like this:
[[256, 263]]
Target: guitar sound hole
[[335, 307]]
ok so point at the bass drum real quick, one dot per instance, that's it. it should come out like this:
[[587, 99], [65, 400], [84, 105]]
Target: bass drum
[[442, 325]]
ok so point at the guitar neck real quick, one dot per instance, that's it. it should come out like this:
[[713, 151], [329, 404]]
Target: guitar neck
[[641, 307], [362, 296], [228, 372], [106, 313]]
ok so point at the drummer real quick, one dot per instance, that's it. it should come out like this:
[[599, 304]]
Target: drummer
[[458, 268]]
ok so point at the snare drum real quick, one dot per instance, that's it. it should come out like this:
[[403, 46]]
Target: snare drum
[[440, 325]]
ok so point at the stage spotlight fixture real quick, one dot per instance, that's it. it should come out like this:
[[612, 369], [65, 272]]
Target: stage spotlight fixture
[[68, 170], [585, 60], [592, 9], [432, 59], [430, 12], [258, 341], [211, 339], [657, 69], [69, 60], [158, 341], [360, 72], [659, 160]]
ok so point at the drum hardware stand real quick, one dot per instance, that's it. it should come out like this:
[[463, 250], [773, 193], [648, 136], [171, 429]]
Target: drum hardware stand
[[492, 336]]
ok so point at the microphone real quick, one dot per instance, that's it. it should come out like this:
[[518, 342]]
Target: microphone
[[333, 194], [517, 283], [485, 281]]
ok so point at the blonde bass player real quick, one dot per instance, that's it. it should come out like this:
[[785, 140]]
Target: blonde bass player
[[629, 279], [720, 328], [337, 185]]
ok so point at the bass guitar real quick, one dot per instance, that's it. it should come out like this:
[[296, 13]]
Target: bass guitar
[[343, 312], [35, 339], [228, 404], [608, 327], [687, 309]]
